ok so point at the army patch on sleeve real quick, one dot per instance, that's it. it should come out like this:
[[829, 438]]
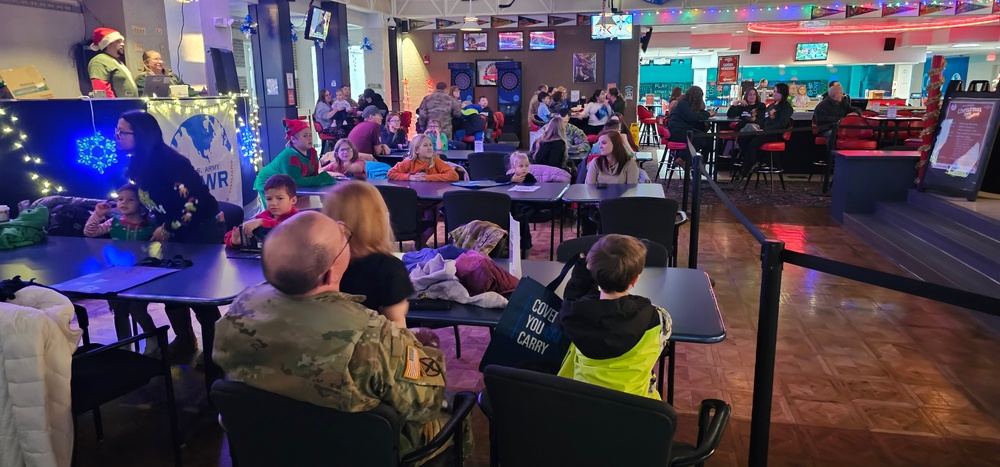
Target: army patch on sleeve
[[412, 370]]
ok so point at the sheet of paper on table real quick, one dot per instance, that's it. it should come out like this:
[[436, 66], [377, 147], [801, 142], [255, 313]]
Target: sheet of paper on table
[[524, 188]]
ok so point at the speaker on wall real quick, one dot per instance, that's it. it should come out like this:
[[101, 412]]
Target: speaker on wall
[[754, 47], [890, 43], [509, 95], [463, 77]]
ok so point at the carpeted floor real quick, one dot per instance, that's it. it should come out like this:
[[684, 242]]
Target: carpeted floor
[[797, 192]]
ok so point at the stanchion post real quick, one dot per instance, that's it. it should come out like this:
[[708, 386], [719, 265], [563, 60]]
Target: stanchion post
[[767, 336], [695, 211]]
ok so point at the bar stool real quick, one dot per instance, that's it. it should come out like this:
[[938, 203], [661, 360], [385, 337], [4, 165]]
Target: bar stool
[[669, 156], [771, 169], [821, 142], [728, 136], [647, 127]]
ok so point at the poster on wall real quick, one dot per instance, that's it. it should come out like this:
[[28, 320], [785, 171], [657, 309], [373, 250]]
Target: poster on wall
[[486, 72], [729, 67], [445, 42], [585, 68], [474, 42], [209, 140]]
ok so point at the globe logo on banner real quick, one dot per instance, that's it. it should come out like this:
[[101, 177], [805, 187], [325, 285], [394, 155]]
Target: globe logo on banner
[[206, 142]]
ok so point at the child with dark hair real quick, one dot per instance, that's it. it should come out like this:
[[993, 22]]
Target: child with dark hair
[[134, 224], [616, 337], [279, 195]]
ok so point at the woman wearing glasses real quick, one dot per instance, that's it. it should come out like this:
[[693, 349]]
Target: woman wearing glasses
[[185, 210], [393, 135]]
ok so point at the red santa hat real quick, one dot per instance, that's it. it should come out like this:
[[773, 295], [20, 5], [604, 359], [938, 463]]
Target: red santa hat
[[293, 127], [103, 37]]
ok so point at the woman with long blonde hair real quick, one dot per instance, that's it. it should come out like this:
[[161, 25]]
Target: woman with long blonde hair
[[551, 149], [373, 272]]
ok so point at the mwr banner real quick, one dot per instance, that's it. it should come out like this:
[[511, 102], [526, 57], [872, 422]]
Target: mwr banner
[[729, 67], [207, 137]]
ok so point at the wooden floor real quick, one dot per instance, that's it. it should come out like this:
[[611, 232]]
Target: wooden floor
[[865, 376]]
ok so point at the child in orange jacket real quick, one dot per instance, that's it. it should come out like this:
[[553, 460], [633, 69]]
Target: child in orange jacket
[[423, 165]]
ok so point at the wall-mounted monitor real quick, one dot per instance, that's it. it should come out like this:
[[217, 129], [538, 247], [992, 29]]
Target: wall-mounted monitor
[[542, 40], [318, 24], [811, 51], [510, 40], [614, 27]]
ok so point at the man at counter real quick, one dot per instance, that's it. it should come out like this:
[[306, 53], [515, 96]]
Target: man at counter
[[830, 110], [107, 72]]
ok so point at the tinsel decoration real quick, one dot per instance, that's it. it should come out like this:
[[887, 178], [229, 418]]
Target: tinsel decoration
[[936, 80], [295, 37], [248, 27], [366, 45]]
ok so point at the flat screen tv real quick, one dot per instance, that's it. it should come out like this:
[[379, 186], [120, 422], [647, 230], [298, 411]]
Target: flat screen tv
[[510, 40], [615, 27], [318, 24], [542, 40], [811, 51]]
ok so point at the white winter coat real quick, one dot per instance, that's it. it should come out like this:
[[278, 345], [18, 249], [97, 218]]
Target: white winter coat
[[36, 357]]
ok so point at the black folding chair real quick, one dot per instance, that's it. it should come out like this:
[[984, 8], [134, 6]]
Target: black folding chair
[[487, 165], [656, 255], [642, 434], [266, 429], [406, 222], [654, 219]]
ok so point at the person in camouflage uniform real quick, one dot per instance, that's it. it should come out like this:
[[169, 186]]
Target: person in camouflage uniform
[[576, 139], [441, 107], [300, 337]]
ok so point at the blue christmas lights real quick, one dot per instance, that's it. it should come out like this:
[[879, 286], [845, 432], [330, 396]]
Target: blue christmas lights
[[248, 143], [96, 152]]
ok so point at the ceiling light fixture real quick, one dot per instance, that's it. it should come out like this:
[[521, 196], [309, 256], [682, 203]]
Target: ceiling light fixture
[[965, 45], [471, 23]]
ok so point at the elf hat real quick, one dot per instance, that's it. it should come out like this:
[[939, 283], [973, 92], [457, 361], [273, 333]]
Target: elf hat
[[293, 127], [103, 37]]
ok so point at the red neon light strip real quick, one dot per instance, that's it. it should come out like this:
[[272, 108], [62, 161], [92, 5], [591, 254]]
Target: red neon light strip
[[769, 28]]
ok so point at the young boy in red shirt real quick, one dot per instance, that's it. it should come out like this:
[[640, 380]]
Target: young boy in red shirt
[[279, 194]]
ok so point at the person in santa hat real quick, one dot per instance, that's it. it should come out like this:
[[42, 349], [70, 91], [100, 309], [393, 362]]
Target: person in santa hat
[[106, 70], [299, 160]]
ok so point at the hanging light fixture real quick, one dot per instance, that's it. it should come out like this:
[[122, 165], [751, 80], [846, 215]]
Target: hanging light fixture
[[471, 23]]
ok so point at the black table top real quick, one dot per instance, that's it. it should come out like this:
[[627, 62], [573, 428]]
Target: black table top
[[546, 192], [685, 293], [434, 191], [212, 279], [592, 194]]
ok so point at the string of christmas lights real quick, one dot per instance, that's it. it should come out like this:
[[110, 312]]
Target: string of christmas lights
[[8, 129]]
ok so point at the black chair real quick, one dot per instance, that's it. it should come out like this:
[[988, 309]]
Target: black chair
[[655, 219], [266, 429], [406, 222], [102, 373], [232, 214], [500, 147], [536, 421], [487, 165], [462, 207], [656, 254]]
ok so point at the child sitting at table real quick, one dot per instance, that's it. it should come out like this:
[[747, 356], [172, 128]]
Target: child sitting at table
[[279, 194], [521, 170], [422, 164], [134, 224], [345, 161], [438, 137], [616, 337]]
